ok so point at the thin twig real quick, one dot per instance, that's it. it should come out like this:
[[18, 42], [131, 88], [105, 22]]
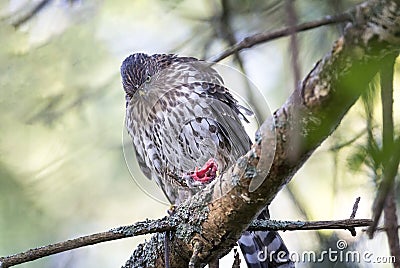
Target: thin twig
[[139, 228], [262, 225], [353, 215], [264, 37], [31, 13], [337, 6], [40, 252], [228, 34], [236, 259], [380, 229], [355, 208], [337, 147], [294, 44]]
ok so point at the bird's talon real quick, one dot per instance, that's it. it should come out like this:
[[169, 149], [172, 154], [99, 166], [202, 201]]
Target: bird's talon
[[171, 210]]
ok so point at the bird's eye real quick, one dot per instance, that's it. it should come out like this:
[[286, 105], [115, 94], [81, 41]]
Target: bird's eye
[[148, 79]]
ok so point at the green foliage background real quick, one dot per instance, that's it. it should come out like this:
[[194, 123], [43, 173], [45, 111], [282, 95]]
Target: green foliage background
[[62, 168]]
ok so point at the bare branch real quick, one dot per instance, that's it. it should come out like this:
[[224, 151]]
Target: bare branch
[[228, 34], [44, 251], [166, 224], [262, 225], [355, 208], [353, 215], [337, 147], [379, 229], [140, 228], [294, 44], [31, 13], [337, 7], [265, 37]]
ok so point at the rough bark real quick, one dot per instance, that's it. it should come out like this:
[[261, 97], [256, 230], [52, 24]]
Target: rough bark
[[212, 221]]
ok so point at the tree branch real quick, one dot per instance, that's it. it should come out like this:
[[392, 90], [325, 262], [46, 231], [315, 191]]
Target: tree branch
[[228, 34], [33, 11], [140, 228], [37, 253], [353, 215], [294, 44], [167, 224], [260, 38], [262, 225]]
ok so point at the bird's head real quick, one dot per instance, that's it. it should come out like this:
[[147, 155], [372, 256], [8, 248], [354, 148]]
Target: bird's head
[[136, 70]]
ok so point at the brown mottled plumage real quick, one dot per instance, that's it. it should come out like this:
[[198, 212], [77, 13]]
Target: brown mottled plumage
[[180, 115]]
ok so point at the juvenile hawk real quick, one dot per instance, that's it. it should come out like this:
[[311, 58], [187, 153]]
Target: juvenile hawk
[[181, 117]]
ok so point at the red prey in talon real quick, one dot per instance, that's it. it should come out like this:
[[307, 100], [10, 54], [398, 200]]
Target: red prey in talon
[[207, 173]]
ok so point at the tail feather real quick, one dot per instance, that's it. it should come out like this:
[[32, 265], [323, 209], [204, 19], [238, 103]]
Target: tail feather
[[264, 249]]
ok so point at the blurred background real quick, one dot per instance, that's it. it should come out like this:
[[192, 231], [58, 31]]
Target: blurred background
[[62, 167]]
